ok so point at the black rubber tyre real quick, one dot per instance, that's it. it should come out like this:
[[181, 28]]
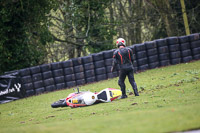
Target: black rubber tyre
[[79, 76], [24, 72], [28, 86], [70, 77], [164, 63], [196, 51], [100, 71], [39, 90], [26, 79], [142, 61], [77, 61], [152, 59], [38, 84], [112, 75], [90, 79], [151, 52], [183, 39], [194, 37], [185, 46], [30, 93], [69, 70], [99, 64], [48, 82], [78, 69], [35, 69], [196, 57], [162, 50], [37, 77], [87, 59], [45, 67], [60, 79], [108, 54], [56, 65], [135, 64], [50, 88], [143, 67], [108, 69], [67, 63], [154, 65], [89, 66], [174, 55], [164, 56], [195, 44], [151, 45], [101, 77], [140, 47], [97, 56], [80, 82], [174, 48], [172, 40], [47, 75], [187, 59], [186, 53], [176, 61], [60, 103], [161, 42], [58, 73], [141, 54], [108, 62], [71, 84], [89, 73], [60, 86]]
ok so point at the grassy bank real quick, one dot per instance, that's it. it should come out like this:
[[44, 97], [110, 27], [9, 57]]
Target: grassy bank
[[169, 101]]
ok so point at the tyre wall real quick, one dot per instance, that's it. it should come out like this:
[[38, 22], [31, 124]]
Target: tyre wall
[[97, 67]]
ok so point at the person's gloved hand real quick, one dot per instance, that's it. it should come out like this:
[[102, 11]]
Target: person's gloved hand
[[111, 69]]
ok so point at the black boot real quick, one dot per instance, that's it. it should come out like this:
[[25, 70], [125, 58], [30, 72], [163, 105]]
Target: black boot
[[136, 92], [123, 96]]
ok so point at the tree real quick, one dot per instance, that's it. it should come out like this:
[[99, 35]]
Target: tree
[[79, 26], [23, 33]]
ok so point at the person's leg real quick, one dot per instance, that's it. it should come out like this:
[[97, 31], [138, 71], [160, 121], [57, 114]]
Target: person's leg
[[122, 77], [132, 82]]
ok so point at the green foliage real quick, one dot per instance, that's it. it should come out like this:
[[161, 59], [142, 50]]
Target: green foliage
[[23, 33], [169, 101]]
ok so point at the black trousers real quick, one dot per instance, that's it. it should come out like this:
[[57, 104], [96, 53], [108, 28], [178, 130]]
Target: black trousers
[[122, 76]]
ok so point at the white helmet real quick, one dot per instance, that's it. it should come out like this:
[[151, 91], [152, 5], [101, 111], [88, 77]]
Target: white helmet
[[121, 42]]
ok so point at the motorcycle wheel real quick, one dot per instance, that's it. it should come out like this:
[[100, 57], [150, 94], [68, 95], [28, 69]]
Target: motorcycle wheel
[[60, 103]]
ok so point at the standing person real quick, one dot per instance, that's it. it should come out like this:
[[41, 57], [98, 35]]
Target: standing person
[[124, 57]]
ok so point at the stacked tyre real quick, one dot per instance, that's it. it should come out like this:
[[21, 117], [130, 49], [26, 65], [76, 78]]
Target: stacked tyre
[[78, 71], [99, 64], [58, 75], [186, 53], [69, 73], [108, 58], [152, 54], [27, 83], [89, 69], [195, 45], [37, 79], [47, 77], [174, 50], [141, 56], [163, 52]]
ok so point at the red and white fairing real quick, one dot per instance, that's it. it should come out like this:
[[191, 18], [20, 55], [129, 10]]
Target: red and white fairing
[[88, 98]]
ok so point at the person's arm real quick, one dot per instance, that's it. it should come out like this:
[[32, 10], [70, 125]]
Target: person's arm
[[114, 63], [131, 55]]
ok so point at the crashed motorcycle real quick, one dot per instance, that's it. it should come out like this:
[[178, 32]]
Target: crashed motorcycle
[[86, 98]]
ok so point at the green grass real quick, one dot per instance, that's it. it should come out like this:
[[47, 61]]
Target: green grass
[[169, 101]]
